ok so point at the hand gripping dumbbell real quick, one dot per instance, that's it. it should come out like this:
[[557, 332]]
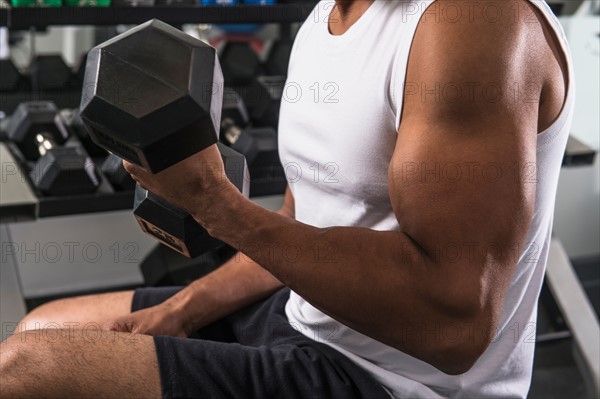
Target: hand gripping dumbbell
[[153, 96], [37, 129]]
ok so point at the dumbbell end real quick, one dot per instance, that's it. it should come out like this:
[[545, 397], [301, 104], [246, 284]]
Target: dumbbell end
[[171, 109], [65, 171]]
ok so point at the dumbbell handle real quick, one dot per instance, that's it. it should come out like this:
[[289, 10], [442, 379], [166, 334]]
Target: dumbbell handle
[[44, 142]]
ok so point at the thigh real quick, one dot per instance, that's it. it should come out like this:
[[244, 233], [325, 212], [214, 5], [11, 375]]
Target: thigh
[[192, 368], [80, 363], [269, 359], [79, 311]]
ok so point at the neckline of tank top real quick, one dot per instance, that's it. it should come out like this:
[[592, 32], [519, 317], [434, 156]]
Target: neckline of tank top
[[354, 30]]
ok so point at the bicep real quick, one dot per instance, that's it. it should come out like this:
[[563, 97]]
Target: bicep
[[458, 177], [463, 182]]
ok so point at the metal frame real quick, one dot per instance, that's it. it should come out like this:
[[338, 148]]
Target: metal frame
[[578, 313], [26, 17]]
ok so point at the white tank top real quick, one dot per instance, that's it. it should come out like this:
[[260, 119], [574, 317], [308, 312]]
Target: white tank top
[[339, 120]]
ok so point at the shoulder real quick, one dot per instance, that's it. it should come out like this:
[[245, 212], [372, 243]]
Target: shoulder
[[479, 34], [474, 46]]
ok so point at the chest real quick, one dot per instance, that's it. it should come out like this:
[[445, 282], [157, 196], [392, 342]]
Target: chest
[[337, 123]]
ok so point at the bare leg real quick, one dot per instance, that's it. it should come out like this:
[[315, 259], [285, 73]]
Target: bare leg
[[81, 363], [78, 312]]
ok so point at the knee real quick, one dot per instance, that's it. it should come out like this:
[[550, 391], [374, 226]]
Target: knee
[[44, 316], [24, 361], [15, 356]]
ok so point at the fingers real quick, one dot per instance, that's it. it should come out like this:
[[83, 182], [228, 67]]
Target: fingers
[[136, 172], [132, 169]]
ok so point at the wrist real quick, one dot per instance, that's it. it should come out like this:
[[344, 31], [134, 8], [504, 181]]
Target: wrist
[[186, 305], [218, 216]]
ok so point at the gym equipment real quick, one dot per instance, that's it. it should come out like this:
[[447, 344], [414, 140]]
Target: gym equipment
[[239, 62], [78, 128], [63, 170], [278, 58], [9, 75], [59, 171], [168, 108], [176, 228], [17, 200], [149, 91], [87, 3], [113, 169], [31, 118], [265, 100], [258, 145], [36, 3], [234, 108], [49, 72]]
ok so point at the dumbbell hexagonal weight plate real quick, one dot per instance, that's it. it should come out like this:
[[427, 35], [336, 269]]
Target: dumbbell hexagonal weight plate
[[31, 118], [149, 91], [49, 72], [65, 171]]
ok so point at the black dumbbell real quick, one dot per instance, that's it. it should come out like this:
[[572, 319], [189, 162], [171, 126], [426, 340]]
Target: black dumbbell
[[49, 72], [59, 170], [177, 114], [113, 169], [177, 228], [264, 100], [9, 76], [234, 108], [78, 128], [258, 145], [29, 119], [239, 62], [278, 58]]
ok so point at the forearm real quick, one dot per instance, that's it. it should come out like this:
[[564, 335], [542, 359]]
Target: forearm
[[238, 283], [369, 280]]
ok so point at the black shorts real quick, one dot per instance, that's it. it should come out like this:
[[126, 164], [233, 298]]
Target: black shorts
[[253, 353]]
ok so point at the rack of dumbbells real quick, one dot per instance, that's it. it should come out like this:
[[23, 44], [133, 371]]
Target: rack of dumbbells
[[62, 171]]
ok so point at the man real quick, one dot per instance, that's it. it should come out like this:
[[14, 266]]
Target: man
[[422, 142]]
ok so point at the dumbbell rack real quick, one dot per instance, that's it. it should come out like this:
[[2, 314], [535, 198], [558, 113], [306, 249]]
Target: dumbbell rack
[[39, 18], [102, 220], [26, 18]]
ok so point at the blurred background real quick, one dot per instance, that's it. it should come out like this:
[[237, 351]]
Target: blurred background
[[62, 239]]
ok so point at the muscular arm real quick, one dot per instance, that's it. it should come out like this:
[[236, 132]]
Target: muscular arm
[[238, 283], [398, 287], [457, 184]]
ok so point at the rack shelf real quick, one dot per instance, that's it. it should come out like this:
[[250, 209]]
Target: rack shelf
[[41, 17]]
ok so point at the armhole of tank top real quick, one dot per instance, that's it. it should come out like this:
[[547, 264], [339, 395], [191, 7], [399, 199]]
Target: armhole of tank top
[[398, 92], [398, 105], [562, 47]]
